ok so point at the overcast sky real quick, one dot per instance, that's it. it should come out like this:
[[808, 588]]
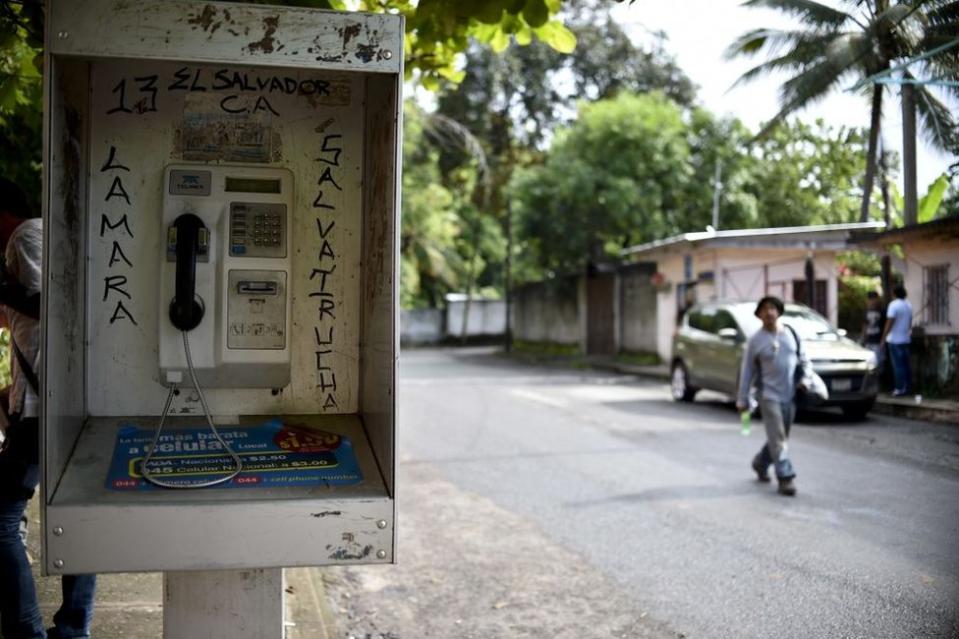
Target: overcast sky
[[699, 31]]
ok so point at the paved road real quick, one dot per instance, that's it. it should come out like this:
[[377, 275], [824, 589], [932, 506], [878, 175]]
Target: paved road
[[649, 508]]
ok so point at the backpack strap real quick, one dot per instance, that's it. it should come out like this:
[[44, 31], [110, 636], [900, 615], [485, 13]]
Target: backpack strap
[[26, 368], [795, 337]]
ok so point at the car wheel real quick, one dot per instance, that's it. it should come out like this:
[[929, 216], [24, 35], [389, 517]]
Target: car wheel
[[679, 384], [857, 412]]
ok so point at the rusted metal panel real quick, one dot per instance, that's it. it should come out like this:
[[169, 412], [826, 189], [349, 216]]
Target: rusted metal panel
[[380, 316], [65, 138], [227, 33]]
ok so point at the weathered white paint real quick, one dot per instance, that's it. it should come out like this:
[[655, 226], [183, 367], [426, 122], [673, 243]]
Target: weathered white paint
[[227, 33], [122, 366], [226, 604], [486, 316], [97, 378], [421, 326]]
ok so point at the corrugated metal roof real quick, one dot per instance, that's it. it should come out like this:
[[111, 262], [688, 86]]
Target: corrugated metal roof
[[840, 231]]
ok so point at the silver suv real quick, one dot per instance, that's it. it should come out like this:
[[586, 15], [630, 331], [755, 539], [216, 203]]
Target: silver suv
[[708, 350]]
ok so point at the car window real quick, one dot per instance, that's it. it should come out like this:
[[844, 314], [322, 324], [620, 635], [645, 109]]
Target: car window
[[724, 319], [703, 319], [809, 325]]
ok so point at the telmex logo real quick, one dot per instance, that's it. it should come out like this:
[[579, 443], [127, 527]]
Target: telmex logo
[[190, 182]]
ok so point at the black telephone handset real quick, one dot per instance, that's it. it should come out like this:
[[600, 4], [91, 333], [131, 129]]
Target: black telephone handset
[[191, 235]]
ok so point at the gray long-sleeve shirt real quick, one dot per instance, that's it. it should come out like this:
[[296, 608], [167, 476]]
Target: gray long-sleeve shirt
[[777, 356]]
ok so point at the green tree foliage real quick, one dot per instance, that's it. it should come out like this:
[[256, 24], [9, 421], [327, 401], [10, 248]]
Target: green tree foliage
[[445, 239], [854, 40], [513, 100], [430, 265], [637, 168], [808, 174], [20, 96], [517, 97], [610, 180]]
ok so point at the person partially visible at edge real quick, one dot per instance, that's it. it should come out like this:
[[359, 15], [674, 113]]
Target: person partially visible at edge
[[872, 325], [898, 335], [21, 238], [771, 360]]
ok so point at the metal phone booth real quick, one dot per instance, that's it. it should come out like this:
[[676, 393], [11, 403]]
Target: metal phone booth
[[228, 172]]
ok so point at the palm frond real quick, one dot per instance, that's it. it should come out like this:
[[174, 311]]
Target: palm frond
[[772, 41], [805, 53], [938, 124], [844, 55], [813, 13]]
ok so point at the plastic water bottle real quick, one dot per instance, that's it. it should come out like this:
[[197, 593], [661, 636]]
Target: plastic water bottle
[[746, 417]]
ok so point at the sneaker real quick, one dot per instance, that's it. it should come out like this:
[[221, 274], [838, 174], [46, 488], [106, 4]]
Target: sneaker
[[787, 487], [762, 474]]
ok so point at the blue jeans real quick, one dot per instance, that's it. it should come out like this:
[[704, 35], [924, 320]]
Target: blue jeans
[[778, 418], [20, 616], [901, 371]]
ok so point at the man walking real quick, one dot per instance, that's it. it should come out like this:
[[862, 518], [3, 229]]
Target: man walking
[[898, 334], [772, 359], [21, 238]]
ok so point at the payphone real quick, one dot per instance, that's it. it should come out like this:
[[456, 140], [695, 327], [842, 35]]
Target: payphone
[[222, 189], [225, 274]]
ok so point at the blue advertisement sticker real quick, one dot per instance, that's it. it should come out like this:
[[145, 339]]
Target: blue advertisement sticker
[[274, 455]]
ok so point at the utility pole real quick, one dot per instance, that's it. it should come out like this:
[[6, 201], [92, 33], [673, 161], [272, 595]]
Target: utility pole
[[717, 189], [910, 214], [509, 276]]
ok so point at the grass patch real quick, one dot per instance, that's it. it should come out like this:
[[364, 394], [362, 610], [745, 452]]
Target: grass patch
[[545, 349], [639, 359]]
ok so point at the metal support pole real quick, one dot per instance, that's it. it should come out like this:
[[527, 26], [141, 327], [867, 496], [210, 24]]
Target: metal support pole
[[509, 276], [810, 272], [910, 213], [223, 604], [717, 188]]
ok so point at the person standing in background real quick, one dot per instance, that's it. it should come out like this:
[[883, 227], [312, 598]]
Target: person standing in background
[[872, 325], [21, 238], [898, 335]]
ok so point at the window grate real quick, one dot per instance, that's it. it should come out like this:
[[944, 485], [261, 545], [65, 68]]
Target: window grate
[[937, 294]]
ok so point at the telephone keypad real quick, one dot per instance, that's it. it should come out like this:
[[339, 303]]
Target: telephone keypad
[[257, 229]]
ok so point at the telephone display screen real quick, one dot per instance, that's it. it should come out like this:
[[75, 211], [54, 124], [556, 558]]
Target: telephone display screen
[[251, 185]]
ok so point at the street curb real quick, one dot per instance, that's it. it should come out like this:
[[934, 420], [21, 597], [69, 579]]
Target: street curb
[[649, 372], [910, 410], [927, 411]]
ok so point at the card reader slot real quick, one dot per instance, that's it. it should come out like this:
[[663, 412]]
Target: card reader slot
[[257, 288]]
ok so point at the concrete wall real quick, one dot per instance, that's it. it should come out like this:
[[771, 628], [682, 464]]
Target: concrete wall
[[920, 254], [421, 326], [486, 317], [935, 347], [637, 304], [551, 312]]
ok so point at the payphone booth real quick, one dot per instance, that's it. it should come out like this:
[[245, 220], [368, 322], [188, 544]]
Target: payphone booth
[[220, 296]]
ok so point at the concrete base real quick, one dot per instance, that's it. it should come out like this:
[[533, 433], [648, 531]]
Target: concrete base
[[223, 604]]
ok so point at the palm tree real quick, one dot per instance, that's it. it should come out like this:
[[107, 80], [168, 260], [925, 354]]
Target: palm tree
[[855, 40]]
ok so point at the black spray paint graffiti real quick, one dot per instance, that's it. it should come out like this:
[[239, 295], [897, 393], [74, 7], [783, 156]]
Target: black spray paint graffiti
[[139, 95], [114, 284], [324, 268]]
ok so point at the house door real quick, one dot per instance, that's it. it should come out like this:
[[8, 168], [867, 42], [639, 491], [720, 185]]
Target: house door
[[800, 295], [600, 339]]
